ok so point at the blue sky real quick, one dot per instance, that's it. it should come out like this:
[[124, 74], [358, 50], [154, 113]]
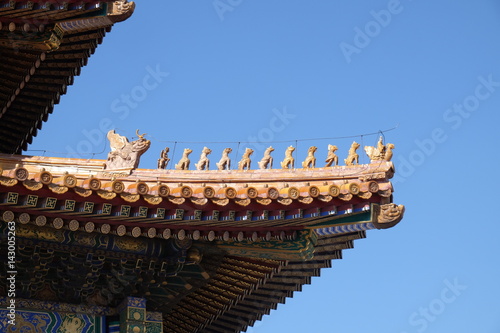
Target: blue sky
[[266, 71]]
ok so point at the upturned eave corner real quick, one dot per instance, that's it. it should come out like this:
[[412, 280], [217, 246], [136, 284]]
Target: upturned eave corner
[[121, 10], [387, 216]]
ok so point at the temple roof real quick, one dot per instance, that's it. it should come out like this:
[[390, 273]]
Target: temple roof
[[43, 46], [212, 250]]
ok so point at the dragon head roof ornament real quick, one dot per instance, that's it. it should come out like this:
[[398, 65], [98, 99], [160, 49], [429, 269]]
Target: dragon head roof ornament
[[125, 154]]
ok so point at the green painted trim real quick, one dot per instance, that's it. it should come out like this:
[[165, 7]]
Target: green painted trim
[[302, 248], [359, 217]]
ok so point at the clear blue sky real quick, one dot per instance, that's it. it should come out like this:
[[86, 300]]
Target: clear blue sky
[[329, 69]]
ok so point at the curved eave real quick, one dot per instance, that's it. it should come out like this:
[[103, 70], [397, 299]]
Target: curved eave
[[43, 46], [197, 202], [254, 258]]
